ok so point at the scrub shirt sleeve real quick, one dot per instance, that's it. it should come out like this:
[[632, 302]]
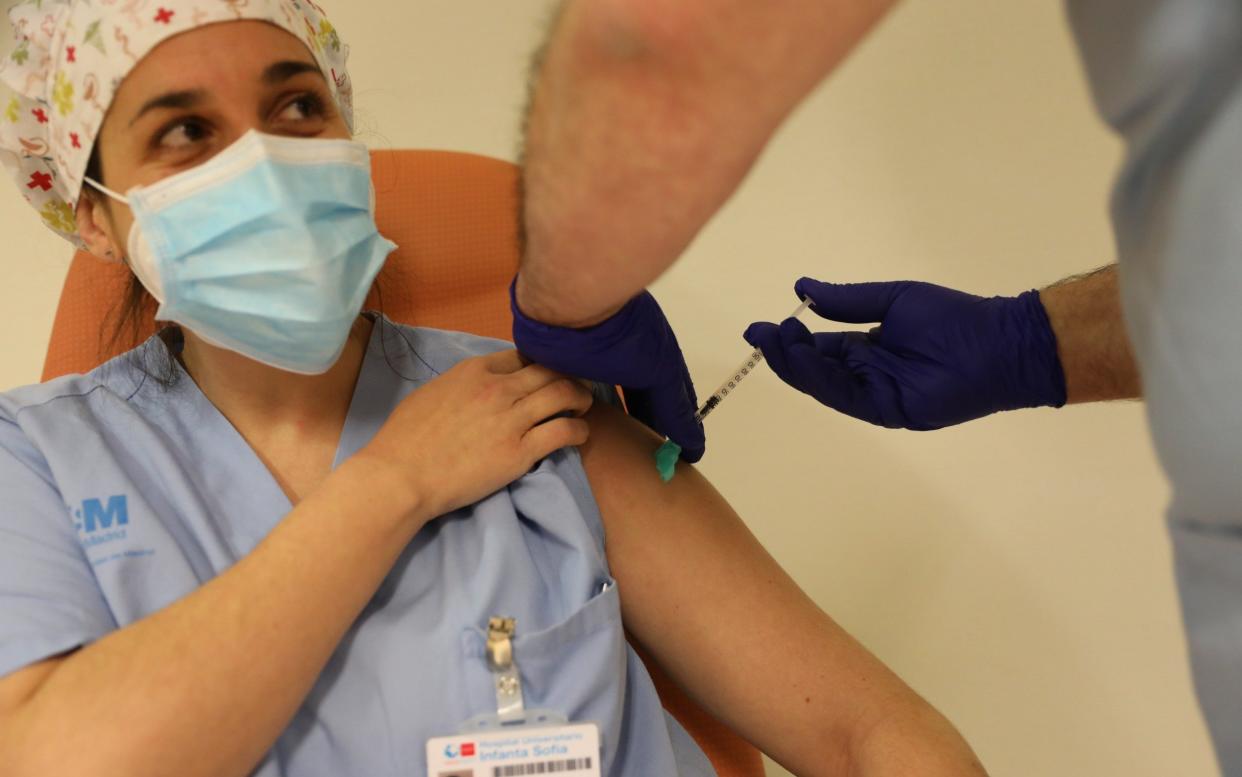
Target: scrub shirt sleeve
[[49, 599]]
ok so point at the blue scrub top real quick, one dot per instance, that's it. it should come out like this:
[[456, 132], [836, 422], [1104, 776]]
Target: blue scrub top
[[1167, 76], [120, 496]]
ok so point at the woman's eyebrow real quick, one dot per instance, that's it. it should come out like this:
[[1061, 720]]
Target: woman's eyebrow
[[282, 71], [178, 100], [274, 75]]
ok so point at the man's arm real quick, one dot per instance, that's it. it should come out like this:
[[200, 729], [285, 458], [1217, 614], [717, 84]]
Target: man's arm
[[644, 118], [1085, 313]]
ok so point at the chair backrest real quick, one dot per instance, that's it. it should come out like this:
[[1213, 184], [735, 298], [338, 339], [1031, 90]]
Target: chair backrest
[[454, 217]]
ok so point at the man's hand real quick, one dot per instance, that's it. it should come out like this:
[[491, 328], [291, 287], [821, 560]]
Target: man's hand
[[938, 358], [636, 349]]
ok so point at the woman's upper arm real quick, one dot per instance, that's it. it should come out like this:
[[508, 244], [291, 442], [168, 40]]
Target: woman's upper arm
[[721, 616], [18, 687], [50, 600]]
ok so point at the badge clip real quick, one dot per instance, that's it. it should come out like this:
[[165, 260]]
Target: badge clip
[[509, 702], [511, 709]]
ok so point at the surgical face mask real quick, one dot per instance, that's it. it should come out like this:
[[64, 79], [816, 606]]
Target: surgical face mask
[[268, 249]]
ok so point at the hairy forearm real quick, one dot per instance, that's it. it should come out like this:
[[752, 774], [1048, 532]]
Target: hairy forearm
[[644, 118], [1085, 313], [205, 686]]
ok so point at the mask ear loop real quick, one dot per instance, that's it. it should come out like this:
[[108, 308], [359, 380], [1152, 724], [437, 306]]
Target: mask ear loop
[[105, 190], [146, 276]]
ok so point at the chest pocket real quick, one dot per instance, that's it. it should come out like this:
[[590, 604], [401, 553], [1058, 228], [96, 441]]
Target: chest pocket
[[576, 667]]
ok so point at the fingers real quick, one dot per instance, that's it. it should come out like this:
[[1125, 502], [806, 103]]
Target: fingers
[[832, 344], [531, 379], [852, 303], [503, 362], [673, 408], [774, 340], [558, 433], [669, 409], [813, 364], [519, 377], [690, 437], [767, 338], [560, 396], [826, 378]]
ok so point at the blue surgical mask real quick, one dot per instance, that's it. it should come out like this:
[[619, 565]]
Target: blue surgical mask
[[268, 249]]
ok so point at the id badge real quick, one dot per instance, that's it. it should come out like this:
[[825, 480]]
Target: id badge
[[569, 750]]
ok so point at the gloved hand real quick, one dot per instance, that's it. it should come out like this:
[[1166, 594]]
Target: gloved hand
[[938, 358], [635, 349]]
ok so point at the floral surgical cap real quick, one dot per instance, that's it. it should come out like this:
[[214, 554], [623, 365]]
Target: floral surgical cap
[[69, 57]]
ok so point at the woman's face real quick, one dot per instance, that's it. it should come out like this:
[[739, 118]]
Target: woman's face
[[193, 96]]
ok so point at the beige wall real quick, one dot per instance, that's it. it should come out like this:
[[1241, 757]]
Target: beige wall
[[1016, 570]]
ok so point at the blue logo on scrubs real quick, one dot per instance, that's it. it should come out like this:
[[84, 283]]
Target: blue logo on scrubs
[[103, 522], [96, 516]]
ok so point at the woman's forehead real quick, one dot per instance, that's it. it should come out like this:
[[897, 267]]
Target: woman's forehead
[[213, 57], [74, 60]]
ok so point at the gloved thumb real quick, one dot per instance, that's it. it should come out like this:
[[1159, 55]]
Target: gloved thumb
[[851, 303], [669, 410]]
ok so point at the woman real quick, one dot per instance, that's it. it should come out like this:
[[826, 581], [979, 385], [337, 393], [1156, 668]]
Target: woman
[[283, 559]]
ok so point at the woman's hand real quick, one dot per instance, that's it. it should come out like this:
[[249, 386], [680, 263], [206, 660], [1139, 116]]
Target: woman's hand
[[476, 428]]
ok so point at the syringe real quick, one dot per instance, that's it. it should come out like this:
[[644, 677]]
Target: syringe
[[668, 453], [748, 366]]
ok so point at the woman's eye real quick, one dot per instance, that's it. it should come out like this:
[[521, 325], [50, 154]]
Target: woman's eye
[[305, 107], [183, 134]]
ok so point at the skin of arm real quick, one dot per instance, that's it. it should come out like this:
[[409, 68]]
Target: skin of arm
[[175, 678], [730, 626], [644, 117], [1086, 317]]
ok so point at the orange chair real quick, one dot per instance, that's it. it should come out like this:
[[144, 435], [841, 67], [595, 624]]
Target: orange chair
[[454, 217]]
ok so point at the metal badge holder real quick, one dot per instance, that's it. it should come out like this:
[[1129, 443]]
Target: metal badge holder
[[509, 703], [511, 709]]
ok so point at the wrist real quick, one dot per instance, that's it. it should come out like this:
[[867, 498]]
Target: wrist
[[1033, 374], [527, 302], [1092, 342], [387, 490], [536, 303], [632, 348]]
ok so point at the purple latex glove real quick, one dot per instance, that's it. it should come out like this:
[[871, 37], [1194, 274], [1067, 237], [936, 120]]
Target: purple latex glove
[[938, 358], [635, 349]]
